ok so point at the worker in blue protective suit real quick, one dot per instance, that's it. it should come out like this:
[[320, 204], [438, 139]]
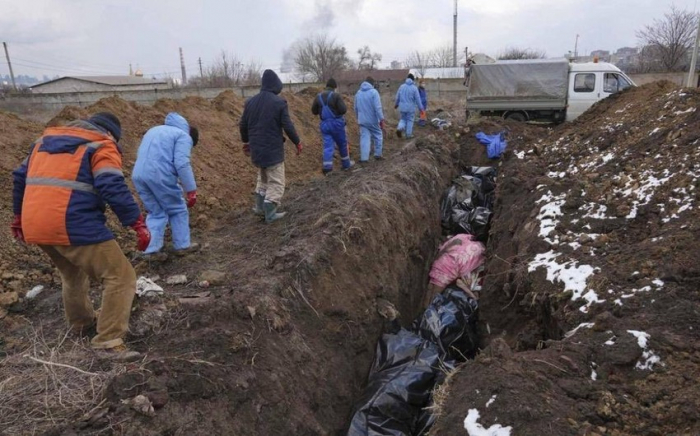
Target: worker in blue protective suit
[[423, 120], [407, 101], [370, 117], [163, 159], [330, 107]]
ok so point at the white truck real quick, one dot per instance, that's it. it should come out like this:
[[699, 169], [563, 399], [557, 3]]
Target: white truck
[[554, 90]]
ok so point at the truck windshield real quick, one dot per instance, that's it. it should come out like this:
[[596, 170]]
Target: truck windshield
[[615, 83]]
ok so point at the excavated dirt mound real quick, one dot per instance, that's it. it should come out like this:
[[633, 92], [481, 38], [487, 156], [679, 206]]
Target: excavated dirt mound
[[274, 328], [225, 176], [591, 304]]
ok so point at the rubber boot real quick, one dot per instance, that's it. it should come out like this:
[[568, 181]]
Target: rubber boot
[[193, 248], [258, 208], [271, 214]]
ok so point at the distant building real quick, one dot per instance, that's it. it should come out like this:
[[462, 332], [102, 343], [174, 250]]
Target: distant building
[[396, 65], [99, 83], [626, 57], [602, 55]]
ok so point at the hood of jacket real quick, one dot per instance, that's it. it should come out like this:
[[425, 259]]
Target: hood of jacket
[[64, 139], [366, 86], [174, 119], [271, 82], [409, 82]]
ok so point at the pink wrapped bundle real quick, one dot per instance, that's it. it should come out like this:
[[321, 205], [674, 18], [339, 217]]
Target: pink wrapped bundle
[[457, 258]]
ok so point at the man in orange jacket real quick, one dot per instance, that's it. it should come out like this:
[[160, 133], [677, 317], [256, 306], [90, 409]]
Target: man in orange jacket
[[59, 196]]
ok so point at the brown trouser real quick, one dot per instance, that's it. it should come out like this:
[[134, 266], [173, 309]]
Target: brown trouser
[[103, 262], [271, 183]]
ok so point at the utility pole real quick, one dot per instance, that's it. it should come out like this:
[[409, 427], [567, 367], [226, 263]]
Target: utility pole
[[182, 66], [201, 74], [454, 42], [691, 83], [9, 64], [576, 47]]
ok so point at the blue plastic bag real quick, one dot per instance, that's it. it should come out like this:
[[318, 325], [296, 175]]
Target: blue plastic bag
[[495, 144]]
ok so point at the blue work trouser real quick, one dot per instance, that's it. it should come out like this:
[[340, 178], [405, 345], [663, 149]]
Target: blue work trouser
[[164, 203], [333, 132], [369, 133], [406, 123]]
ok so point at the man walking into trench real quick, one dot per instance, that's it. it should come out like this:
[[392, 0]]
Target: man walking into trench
[[264, 119], [59, 197]]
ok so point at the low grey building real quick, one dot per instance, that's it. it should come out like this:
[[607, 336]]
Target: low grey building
[[99, 83]]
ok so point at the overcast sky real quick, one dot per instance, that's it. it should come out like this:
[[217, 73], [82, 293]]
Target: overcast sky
[[90, 37]]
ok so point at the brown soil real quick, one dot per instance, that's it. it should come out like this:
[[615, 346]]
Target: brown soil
[[282, 343], [636, 154]]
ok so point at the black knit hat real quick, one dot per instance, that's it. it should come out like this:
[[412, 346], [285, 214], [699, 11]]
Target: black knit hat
[[109, 122], [411, 76], [194, 134], [331, 83], [370, 80]]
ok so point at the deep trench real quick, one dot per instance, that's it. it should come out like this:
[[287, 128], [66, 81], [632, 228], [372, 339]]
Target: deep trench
[[412, 308]]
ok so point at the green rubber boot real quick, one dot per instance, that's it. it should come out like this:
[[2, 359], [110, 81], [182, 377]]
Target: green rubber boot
[[271, 214], [258, 208]]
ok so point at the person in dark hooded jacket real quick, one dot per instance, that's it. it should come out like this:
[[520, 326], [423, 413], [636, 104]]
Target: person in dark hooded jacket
[[264, 119]]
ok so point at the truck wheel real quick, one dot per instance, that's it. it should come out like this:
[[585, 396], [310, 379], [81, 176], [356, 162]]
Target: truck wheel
[[516, 116]]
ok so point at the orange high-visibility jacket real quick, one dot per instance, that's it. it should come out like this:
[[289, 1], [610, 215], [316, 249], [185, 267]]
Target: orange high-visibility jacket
[[62, 187]]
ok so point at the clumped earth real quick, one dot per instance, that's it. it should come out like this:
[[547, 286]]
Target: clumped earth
[[272, 329], [591, 307], [588, 316]]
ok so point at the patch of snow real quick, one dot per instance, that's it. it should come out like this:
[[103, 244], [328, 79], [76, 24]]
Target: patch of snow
[[34, 292], [591, 297], [649, 358], [608, 157], [586, 325], [575, 245], [658, 283], [618, 302], [520, 154], [556, 175], [473, 428], [594, 375], [688, 111], [490, 402], [573, 276], [654, 131], [549, 214]]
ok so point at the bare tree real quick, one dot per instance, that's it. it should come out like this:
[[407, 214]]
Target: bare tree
[[516, 53], [419, 61], [321, 57], [671, 37], [442, 56], [368, 60], [228, 70]]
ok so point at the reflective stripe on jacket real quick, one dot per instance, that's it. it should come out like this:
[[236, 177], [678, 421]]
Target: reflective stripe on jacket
[[62, 187]]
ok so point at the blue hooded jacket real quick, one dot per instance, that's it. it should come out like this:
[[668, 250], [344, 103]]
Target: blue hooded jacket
[[408, 97], [368, 105], [264, 118], [164, 154]]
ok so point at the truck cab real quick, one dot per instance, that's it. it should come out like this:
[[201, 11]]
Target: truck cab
[[545, 90], [591, 82]]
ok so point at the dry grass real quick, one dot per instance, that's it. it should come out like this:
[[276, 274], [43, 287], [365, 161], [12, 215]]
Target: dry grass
[[441, 393], [54, 382]]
